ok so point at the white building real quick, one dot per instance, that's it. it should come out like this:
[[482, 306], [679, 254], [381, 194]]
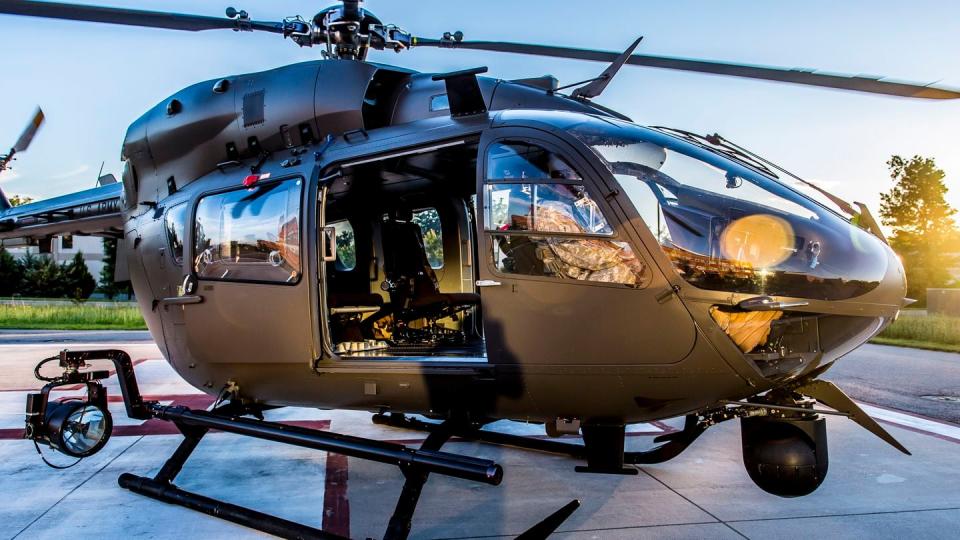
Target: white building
[[63, 249]]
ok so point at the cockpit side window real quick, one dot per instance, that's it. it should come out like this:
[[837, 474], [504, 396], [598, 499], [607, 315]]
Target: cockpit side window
[[176, 224], [522, 161], [250, 234], [543, 222]]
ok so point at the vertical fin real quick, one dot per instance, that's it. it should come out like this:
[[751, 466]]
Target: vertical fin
[[596, 87]]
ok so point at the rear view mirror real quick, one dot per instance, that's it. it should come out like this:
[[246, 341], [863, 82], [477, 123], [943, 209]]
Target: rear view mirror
[[329, 244]]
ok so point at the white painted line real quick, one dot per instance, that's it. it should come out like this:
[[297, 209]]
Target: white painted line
[[914, 422]]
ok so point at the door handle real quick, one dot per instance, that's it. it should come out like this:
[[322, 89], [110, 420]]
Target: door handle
[[488, 283], [181, 300]]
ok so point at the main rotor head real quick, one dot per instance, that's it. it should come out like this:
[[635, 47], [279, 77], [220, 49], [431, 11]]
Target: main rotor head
[[346, 30]]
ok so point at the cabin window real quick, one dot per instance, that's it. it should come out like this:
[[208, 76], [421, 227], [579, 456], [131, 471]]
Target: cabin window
[[176, 223], [250, 234], [550, 226], [429, 221], [346, 246]]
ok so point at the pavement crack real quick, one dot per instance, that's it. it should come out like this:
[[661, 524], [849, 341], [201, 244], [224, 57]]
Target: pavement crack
[[75, 488], [702, 509]]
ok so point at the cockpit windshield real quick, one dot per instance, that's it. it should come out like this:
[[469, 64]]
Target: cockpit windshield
[[729, 227]]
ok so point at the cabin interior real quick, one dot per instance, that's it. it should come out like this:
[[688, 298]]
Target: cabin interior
[[402, 284]]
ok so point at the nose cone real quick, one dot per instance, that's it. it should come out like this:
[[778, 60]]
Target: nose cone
[[893, 287]]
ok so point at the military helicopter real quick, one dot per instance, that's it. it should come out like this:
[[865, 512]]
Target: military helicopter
[[352, 235]]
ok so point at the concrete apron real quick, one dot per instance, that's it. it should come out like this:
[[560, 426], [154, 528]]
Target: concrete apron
[[871, 489]]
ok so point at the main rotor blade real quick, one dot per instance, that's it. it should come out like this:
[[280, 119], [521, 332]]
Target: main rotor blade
[[131, 17], [858, 83]]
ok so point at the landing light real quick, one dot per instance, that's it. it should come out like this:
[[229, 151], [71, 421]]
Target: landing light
[[77, 428]]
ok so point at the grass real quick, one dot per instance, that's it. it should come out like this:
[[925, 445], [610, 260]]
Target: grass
[[933, 332], [72, 317]]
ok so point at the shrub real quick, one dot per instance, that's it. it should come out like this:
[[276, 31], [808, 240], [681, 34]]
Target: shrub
[[11, 274]]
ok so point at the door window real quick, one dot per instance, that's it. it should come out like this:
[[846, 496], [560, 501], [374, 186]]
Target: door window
[[550, 227], [346, 246], [558, 208], [250, 234], [429, 221]]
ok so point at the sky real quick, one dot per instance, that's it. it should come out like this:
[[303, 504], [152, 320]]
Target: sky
[[93, 80]]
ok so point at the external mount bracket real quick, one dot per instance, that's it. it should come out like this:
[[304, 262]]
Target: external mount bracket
[[463, 91]]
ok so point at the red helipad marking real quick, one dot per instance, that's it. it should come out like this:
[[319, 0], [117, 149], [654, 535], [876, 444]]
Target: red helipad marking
[[336, 504], [667, 428], [13, 433]]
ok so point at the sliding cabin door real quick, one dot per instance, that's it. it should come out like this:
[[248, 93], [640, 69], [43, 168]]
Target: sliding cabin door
[[252, 274]]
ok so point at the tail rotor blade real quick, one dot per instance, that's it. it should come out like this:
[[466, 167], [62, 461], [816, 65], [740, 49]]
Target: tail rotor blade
[[29, 132]]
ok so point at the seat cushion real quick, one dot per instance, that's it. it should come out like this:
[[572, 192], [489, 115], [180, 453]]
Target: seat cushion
[[453, 299], [354, 299]]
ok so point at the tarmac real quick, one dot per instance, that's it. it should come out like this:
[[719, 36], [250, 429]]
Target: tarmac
[[871, 491]]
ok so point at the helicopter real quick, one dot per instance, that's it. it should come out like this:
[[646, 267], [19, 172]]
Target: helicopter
[[446, 250]]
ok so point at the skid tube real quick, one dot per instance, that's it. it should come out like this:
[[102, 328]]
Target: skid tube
[[416, 464]]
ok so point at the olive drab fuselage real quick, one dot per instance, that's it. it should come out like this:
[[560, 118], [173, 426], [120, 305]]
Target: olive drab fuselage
[[553, 348]]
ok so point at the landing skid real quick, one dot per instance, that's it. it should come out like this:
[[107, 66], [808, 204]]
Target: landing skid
[[606, 456], [416, 464]]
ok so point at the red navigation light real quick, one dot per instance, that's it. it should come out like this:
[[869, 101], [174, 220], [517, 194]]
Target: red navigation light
[[254, 178]]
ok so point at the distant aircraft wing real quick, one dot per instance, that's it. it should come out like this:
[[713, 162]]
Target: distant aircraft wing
[[96, 212]]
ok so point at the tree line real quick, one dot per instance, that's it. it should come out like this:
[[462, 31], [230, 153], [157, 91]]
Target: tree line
[[41, 277]]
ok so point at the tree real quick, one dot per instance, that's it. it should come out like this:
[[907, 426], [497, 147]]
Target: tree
[[41, 277], [107, 286], [78, 284], [924, 232], [18, 200], [11, 274]]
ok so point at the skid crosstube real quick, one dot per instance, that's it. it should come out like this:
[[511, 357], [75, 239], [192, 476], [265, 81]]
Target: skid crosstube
[[416, 464], [673, 443]]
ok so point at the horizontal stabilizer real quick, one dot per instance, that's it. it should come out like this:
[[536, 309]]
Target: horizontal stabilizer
[[96, 212]]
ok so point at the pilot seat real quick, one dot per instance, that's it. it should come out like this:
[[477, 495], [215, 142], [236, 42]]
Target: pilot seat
[[410, 280]]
